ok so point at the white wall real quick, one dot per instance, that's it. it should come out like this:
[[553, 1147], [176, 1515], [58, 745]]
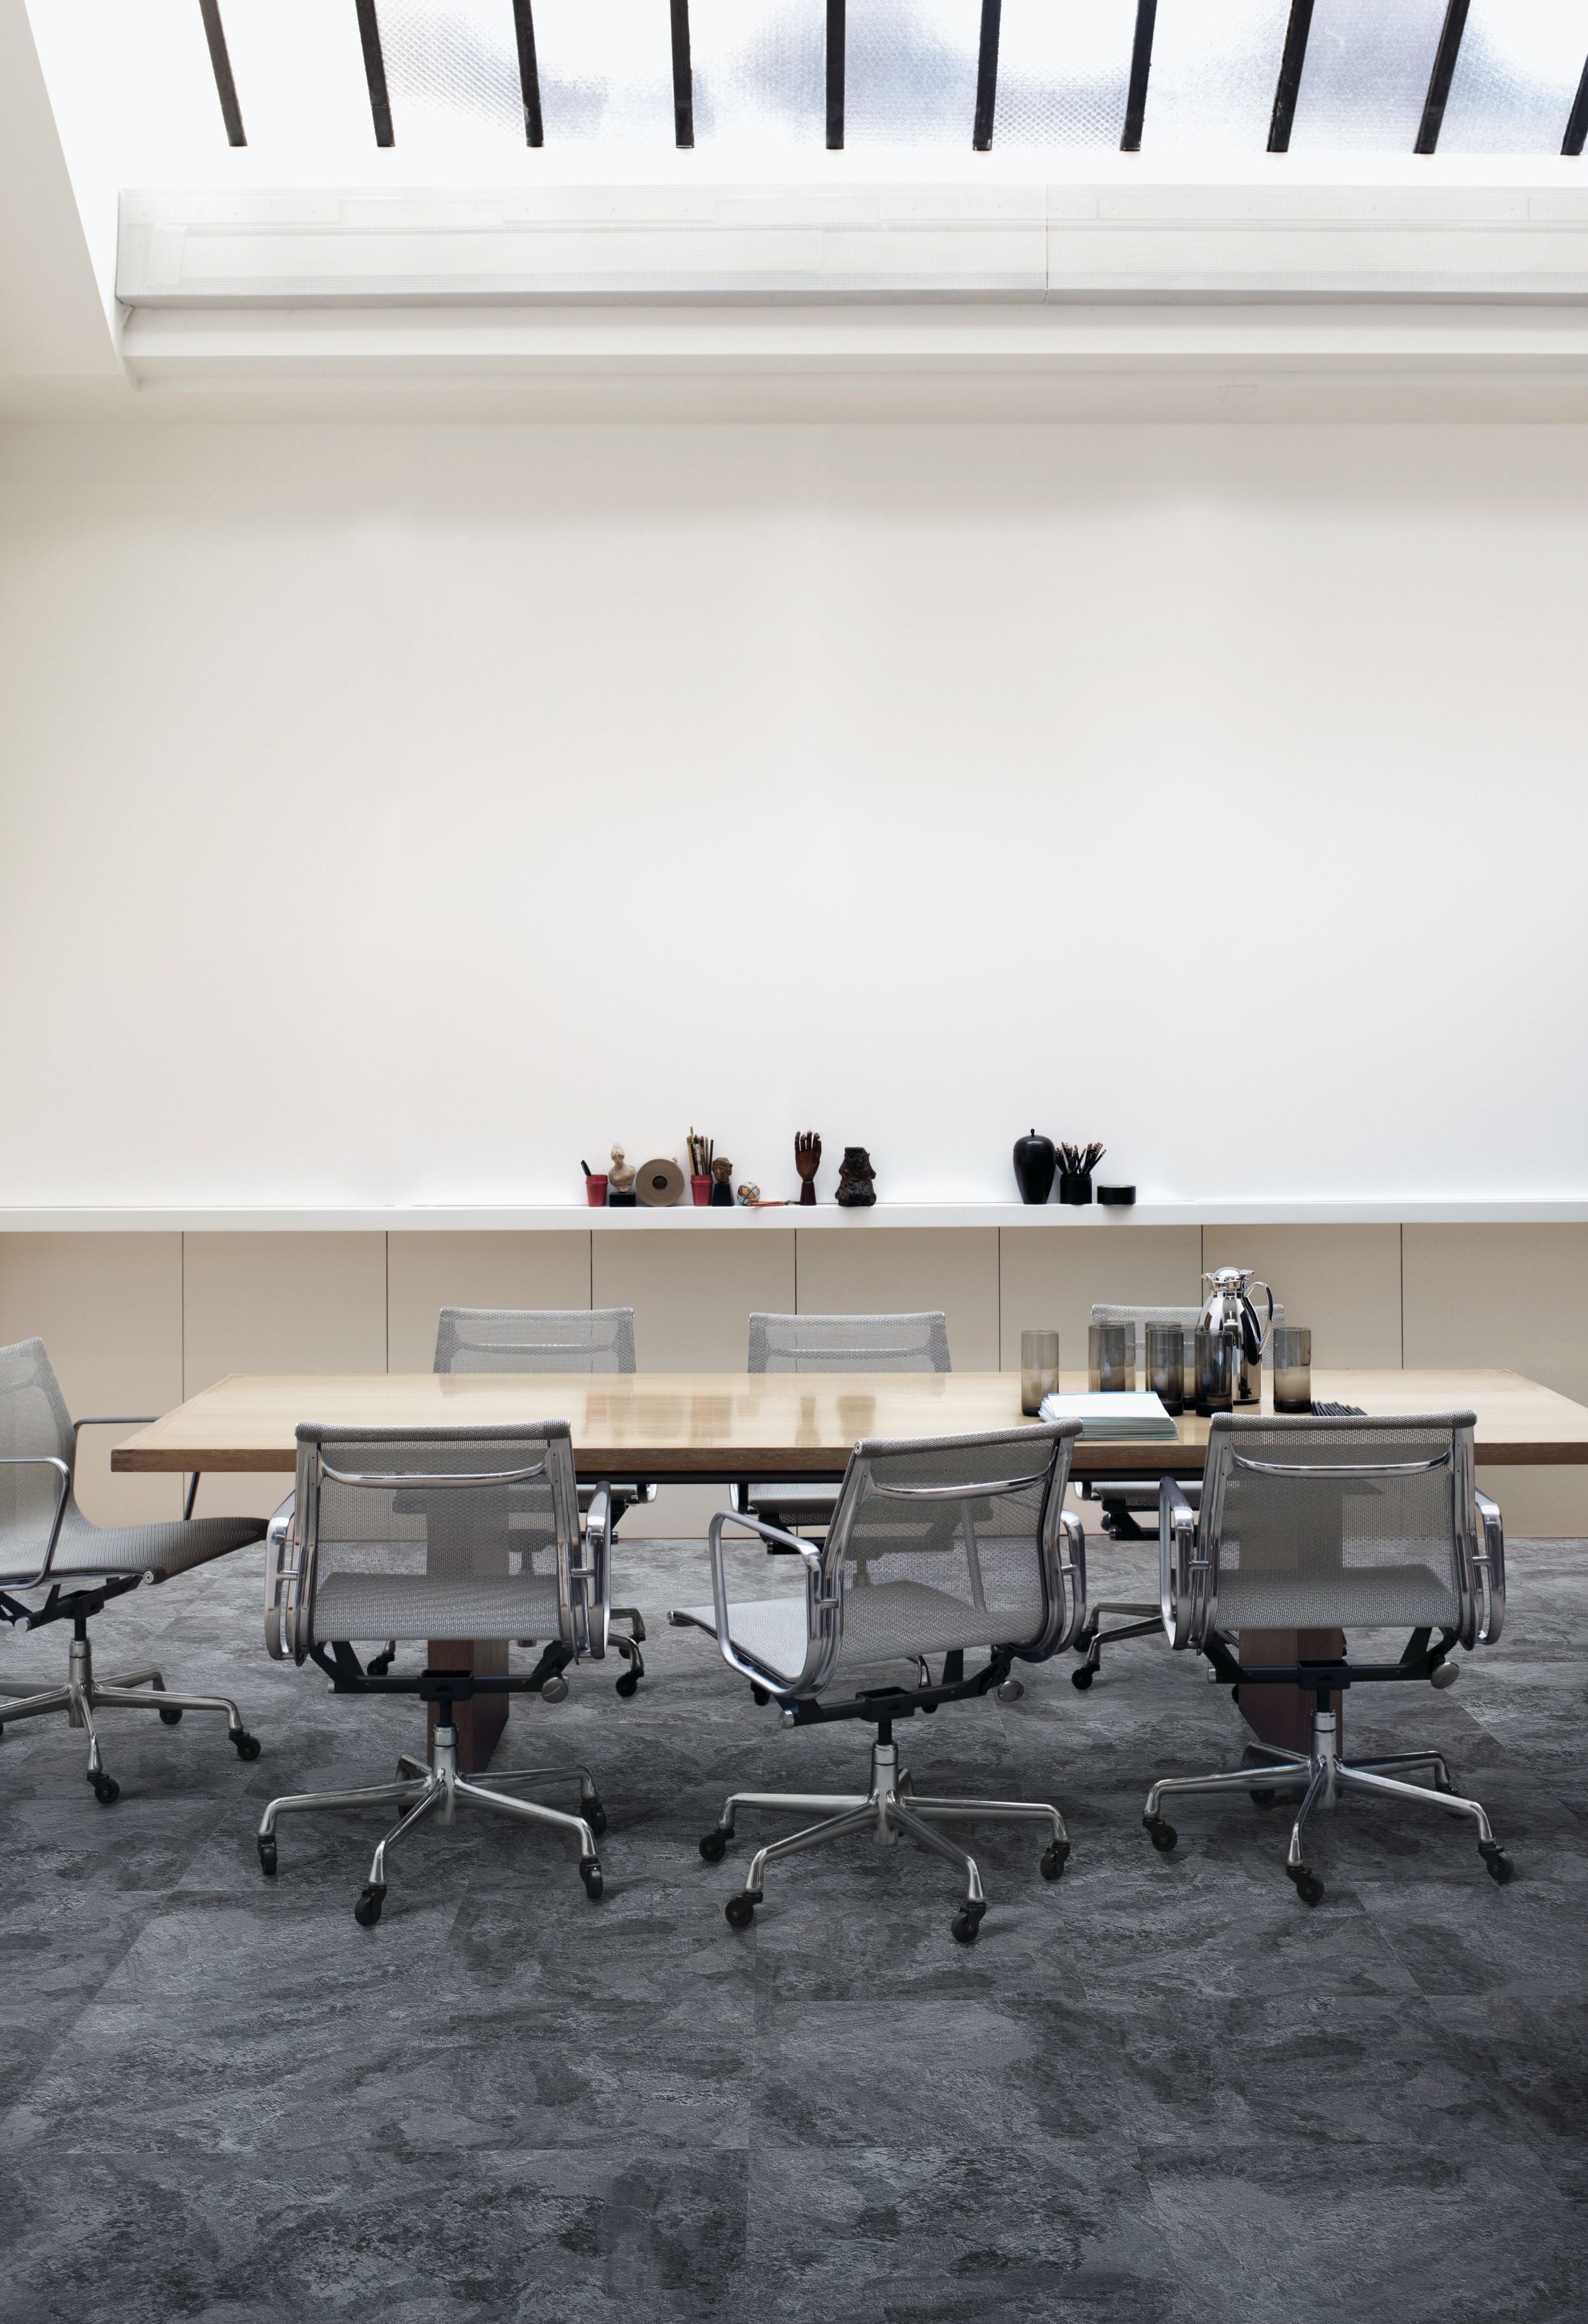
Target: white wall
[[393, 814]]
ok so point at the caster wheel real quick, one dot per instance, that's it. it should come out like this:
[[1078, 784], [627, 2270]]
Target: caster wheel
[[1010, 1690], [1262, 1799], [1498, 1866], [246, 1745], [555, 1690], [759, 1696], [740, 1911], [379, 1665], [629, 1684], [169, 1717], [1163, 1835], [590, 1873], [1053, 1859], [594, 1815], [1081, 1679], [107, 1790], [267, 1858], [1308, 1886], [714, 1847], [367, 1911], [966, 1924]]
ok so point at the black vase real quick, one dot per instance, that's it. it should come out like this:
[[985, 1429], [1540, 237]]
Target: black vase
[[1075, 1186], [1033, 1167]]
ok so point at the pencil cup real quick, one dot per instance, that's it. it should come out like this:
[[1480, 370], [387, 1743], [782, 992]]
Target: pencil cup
[[1039, 1370], [700, 1192], [595, 1190]]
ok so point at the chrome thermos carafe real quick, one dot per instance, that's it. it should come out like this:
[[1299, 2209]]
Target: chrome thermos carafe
[[1229, 1308]]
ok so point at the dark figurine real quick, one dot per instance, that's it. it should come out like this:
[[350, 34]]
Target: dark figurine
[[807, 1162], [855, 1191], [722, 1182], [1034, 1159]]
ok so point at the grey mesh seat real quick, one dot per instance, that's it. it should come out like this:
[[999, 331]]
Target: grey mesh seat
[[47, 1545], [1338, 1525], [416, 1534], [1122, 1498], [832, 1344], [949, 1545]]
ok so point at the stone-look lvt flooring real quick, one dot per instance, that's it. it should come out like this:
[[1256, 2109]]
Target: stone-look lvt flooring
[[1161, 2091]]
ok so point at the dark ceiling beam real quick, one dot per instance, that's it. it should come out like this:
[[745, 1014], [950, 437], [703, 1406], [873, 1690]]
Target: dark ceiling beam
[[220, 64], [836, 29], [683, 76], [1141, 65], [1288, 88], [528, 73], [986, 75], [369, 39], [1440, 79], [1571, 145]]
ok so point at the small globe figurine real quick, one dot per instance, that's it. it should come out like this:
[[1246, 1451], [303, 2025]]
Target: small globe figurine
[[749, 1193]]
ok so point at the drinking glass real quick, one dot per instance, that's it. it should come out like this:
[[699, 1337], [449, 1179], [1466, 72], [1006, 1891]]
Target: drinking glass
[[1166, 1365], [1292, 1367], [1039, 1369], [1218, 1358], [1111, 1358]]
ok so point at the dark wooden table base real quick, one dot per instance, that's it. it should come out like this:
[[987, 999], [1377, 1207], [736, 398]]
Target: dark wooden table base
[[480, 1721], [1283, 1714]]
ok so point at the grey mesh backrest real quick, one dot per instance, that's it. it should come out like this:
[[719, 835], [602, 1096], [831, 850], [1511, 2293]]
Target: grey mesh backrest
[[1364, 1523], [535, 1339], [849, 1343], [909, 1513], [33, 1422], [463, 1533]]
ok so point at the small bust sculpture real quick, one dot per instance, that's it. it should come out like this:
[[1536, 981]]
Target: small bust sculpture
[[621, 1179], [722, 1182], [856, 1189]]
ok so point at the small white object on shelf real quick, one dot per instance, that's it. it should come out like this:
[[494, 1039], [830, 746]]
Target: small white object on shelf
[[1112, 1414]]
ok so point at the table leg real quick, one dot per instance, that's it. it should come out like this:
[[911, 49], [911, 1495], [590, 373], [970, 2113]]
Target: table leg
[[481, 1720], [1283, 1714]]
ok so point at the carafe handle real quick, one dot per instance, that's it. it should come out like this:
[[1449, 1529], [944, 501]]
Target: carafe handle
[[1257, 1340]]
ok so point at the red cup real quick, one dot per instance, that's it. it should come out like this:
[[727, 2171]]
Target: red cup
[[700, 1192], [595, 1190]]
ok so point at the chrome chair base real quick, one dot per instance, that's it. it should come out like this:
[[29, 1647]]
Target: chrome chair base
[[83, 1694], [1142, 1621], [437, 1789], [1321, 1775], [891, 1807]]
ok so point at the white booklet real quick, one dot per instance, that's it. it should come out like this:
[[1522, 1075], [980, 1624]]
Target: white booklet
[[1113, 1414]]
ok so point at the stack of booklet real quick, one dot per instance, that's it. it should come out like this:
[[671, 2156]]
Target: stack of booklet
[[1112, 1415]]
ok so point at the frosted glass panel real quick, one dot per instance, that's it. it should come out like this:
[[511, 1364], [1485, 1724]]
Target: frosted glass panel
[[761, 72], [1063, 69], [452, 71], [1516, 76], [1215, 64], [606, 71], [911, 71], [299, 74], [1367, 75]]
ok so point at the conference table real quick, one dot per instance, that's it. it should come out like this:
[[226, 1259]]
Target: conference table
[[716, 1428]]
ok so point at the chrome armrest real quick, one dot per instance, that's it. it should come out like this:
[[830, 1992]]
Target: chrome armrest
[[818, 1658], [1182, 1573], [1490, 1562], [284, 1573], [113, 1420], [63, 1494], [1072, 1580], [589, 1585]]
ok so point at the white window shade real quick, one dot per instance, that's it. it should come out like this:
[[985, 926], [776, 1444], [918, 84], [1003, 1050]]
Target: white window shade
[[760, 72], [1063, 70], [911, 71], [1517, 74], [1367, 75]]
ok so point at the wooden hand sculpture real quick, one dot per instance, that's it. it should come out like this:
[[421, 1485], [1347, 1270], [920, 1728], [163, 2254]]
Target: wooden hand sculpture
[[807, 1161]]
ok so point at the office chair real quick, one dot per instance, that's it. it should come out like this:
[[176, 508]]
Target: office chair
[[46, 1542], [1122, 1498], [832, 1343], [1360, 1523], [460, 1533], [939, 1546], [555, 1340]]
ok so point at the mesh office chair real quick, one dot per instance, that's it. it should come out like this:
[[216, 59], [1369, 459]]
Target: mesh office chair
[[46, 1542], [832, 1343], [941, 1546], [1351, 1525], [1122, 1498], [463, 1533], [554, 1340]]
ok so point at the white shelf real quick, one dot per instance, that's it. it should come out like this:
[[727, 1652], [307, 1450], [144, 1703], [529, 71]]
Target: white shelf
[[825, 1218]]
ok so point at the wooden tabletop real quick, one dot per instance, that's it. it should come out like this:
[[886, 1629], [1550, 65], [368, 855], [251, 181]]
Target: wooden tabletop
[[706, 1427]]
